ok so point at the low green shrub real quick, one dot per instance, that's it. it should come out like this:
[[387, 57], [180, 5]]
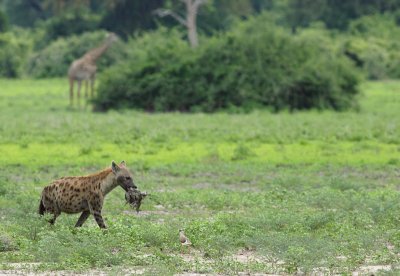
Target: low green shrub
[[7, 243], [55, 59], [257, 64], [14, 48]]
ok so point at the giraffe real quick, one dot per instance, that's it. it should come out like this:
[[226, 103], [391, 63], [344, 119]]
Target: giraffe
[[85, 68]]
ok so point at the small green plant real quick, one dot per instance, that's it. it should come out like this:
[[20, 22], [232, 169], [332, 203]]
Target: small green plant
[[85, 150], [7, 243], [242, 152]]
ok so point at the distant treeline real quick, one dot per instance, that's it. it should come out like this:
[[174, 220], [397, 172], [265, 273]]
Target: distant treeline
[[66, 17], [283, 54]]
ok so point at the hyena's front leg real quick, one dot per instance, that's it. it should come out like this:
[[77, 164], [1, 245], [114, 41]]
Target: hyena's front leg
[[82, 218], [95, 206], [99, 219]]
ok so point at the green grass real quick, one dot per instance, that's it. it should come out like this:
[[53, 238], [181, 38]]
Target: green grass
[[308, 191]]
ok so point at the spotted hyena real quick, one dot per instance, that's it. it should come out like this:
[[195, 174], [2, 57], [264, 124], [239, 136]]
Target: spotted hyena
[[75, 194]]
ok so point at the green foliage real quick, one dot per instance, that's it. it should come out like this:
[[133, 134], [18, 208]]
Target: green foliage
[[23, 13], [55, 59], [373, 46], [242, 152], [126, 17], [143, 74], [14, 48], [6, 243], [3, 22], [70, 23], [255, 65], [369, 28], [334, 14], [220, 15], [300, 13]]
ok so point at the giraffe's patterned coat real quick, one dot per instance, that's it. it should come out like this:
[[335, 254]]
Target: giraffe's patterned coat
[[85, 68]]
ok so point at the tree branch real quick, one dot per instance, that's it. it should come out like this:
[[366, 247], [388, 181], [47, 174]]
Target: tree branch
[[177, 17]]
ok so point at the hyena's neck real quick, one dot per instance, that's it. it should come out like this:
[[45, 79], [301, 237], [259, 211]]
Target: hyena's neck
[[108, 184], [107, 181]]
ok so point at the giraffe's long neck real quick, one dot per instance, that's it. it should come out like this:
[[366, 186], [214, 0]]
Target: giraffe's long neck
[[94, 54]]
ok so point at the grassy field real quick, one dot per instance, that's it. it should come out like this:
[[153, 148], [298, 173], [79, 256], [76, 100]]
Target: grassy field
[[260, 192]]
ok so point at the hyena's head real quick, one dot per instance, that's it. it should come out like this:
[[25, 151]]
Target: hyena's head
[[123, 176]]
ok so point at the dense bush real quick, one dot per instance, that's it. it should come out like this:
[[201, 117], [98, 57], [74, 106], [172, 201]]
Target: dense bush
[[54, 60], [14, 48], [255, 65], [70, 23], [374, 46]]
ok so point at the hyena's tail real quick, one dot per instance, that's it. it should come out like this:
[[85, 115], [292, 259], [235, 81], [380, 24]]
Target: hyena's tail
[[41, 207]]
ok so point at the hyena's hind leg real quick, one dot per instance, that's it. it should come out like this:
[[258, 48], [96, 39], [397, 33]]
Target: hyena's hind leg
[[42, 209], [55, 215], [51, 210], [82, 218]]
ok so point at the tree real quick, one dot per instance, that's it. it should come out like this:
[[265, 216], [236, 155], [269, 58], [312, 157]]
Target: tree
[[24, 13], [125, 17], [192, 7], [300, 13], [3, 22], [338, 14], [222, 13]]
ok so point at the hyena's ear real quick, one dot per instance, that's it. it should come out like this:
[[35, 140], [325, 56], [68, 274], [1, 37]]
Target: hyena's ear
[[122, 164], [115, 168]]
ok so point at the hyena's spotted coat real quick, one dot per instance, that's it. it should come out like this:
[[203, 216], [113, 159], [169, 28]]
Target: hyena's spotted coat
[[84, 193]]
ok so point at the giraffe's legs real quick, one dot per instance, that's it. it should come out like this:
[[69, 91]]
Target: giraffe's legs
[[86, 89], [92, 86], [79, 93], [71, 91]]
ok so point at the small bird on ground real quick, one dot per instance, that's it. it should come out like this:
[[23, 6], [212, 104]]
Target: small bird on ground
[[184, 240]]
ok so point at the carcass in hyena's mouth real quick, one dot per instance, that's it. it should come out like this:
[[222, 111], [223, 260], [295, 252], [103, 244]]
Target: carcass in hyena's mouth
[[134, 198]]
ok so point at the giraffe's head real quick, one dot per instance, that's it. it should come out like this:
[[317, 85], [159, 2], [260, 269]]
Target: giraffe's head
[[111, 37], [123, 176]]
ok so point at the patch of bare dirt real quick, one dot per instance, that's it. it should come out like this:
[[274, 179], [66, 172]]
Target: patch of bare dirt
[[246, 256], [240, 187], [148, 213], [27, 269], [161, 210], [371, 269]]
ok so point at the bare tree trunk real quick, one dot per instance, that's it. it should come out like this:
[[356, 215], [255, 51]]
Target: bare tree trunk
[[191, 15], [192, 6]]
